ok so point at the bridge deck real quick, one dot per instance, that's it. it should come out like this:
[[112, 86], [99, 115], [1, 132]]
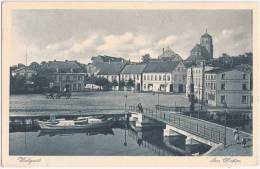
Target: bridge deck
[[204, 129]]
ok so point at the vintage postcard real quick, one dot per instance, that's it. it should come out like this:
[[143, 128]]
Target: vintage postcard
[[130, 84]]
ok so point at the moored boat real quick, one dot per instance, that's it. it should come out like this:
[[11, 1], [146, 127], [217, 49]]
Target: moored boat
[[80, 123]]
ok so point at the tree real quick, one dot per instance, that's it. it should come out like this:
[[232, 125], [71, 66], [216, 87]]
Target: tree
[[130, 83], [40, 83], [146, 58], [114, 82], [121, 84], [34, 66], [103, 82]]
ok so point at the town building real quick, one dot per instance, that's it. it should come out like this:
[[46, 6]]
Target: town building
[[230, 85], [162, 76], [169, 55], [203, 51], [98, 62], [66, 75], [133, 72], [100, 59], [24, 71], [111, 72], [198, 80]]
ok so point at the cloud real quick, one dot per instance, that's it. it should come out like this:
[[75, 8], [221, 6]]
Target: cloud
[[232, 41], [168, 41]]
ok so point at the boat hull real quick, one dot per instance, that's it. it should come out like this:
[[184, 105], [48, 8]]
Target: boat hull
[[45, 126]]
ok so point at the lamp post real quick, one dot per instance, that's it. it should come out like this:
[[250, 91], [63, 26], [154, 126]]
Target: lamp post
[[225, 132], [158, 99]]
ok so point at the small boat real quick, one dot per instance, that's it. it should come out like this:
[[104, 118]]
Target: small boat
[[79, 123]]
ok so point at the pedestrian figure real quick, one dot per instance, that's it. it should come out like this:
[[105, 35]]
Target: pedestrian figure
[[236, 135], [244, 142], [140, 108]]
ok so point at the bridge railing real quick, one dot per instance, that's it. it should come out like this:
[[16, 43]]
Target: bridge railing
[[186, 123]]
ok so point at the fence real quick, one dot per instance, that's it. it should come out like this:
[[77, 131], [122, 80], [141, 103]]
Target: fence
[[203, 129]]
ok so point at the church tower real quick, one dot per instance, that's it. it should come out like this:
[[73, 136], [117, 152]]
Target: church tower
[[206, 42]]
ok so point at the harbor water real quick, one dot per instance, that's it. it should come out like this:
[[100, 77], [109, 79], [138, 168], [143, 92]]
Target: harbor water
[[122, 139]]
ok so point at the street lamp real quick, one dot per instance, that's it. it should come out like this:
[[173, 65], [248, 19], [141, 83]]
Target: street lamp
[[158, 100], [225, 134]]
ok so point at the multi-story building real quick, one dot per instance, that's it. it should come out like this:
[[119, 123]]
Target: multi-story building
[[111, 72], [66, 75], [133, 72], [230, 85], [24, 71], [198, 80], [164, 76], [69, 81]]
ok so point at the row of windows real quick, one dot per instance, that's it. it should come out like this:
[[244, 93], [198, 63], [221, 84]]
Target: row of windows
[[213, 77], [67, 77], [244, 99], [211, 96], [210, 77], [127, 77], [155, 77]]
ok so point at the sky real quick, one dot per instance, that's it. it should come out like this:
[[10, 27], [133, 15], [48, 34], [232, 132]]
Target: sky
[[80, 34]]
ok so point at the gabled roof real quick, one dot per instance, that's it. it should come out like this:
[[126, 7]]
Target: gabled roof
[[113, 68], [28, 69], [161, 66], [169, 54], [133, 69], [64, 66]]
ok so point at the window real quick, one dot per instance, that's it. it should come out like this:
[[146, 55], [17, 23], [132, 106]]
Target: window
[[175, 77], [151, 77], [137, 77], [144, 86], [223, 86], [184, 78], [168, 78], [222, 99], [244, 99], [164, 78], [222, 76], [214, 86], [144, 77], [155, 77], [244, 76], [160, 77], [244, 87], [148, 77]]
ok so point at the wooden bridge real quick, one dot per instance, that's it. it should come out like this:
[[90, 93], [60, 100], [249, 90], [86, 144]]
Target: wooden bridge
[[202, 129]]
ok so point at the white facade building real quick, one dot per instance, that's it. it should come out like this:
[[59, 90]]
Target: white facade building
[[197, 80], [133, 72], [233, 86], [164, 76], [111, 72]]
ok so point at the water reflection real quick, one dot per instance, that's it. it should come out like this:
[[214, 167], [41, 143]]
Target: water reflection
[[122, 138], [89, 132]]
